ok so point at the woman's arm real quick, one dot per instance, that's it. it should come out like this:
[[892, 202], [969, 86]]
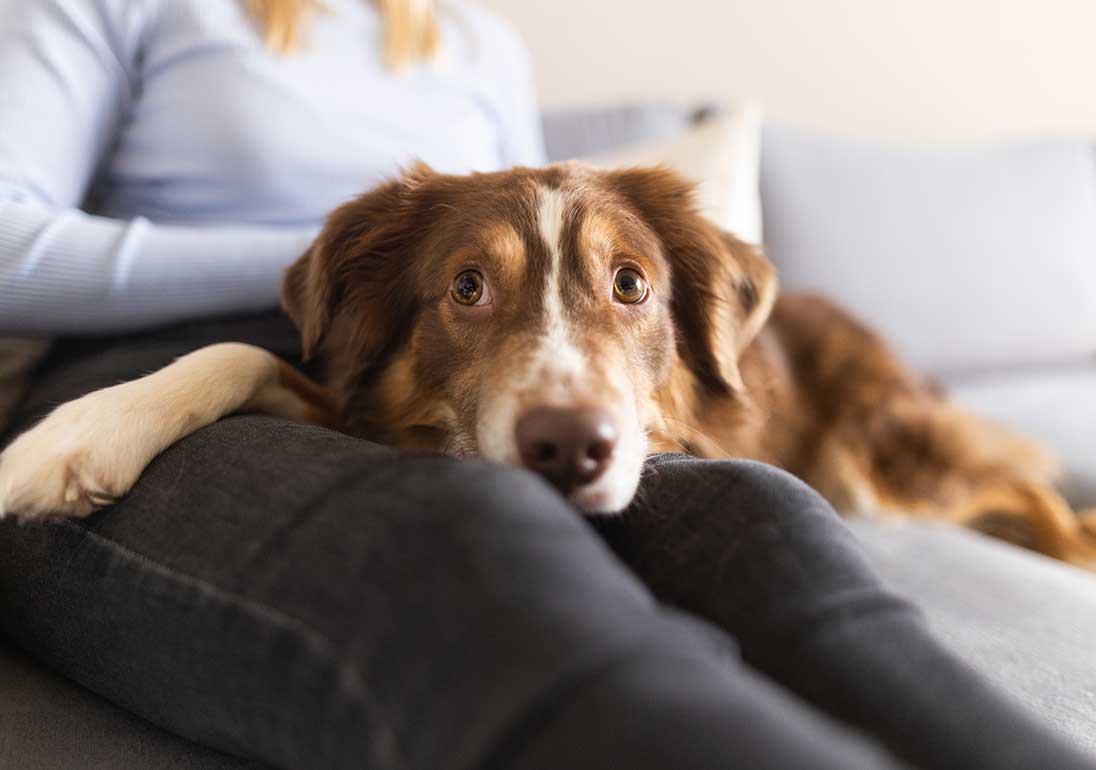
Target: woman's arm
[[68, 74]]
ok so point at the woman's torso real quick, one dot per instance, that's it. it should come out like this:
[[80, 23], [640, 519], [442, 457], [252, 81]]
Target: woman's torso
[[218, 128]]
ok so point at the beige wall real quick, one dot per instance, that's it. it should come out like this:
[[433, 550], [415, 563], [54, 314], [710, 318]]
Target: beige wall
[[923, 70]]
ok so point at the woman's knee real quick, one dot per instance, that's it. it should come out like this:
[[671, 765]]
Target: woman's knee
[[344, 532], [256, 468], [739, 542], [502, 531], [445, 492], [303, 491], [733, 493]]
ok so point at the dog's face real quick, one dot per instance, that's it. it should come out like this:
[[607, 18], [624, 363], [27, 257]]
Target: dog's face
[[531, 317]]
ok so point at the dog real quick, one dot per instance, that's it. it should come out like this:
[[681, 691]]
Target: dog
[[571, 321]]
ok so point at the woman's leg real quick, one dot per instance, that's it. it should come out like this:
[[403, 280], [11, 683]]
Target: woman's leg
[[762, 555], [291, 594]]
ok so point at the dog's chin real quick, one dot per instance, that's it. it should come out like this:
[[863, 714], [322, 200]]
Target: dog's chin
[[598, 503], [607, 496]]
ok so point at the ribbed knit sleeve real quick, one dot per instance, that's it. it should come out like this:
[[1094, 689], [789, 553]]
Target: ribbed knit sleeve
[[64, 272]]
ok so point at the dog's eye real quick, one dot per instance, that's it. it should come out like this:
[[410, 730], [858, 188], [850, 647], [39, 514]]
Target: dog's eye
[[469, 288], [629, 286]]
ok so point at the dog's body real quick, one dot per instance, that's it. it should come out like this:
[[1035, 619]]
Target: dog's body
[[570, 321]]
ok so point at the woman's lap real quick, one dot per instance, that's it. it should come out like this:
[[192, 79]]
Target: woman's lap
[[291, 593], [359, 603], [321, 581], [287, 592]]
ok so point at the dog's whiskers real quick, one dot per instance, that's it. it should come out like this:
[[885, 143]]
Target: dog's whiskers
[[691, 431]]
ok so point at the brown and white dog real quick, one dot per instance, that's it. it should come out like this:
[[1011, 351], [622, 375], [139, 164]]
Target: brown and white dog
[[569, 320]]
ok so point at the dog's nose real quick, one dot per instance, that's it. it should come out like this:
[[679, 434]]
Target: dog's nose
[[569, 447]]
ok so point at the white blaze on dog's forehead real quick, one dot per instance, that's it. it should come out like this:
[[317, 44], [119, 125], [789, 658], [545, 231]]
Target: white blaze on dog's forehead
[[550, 223], [558, 354], [550, 220]]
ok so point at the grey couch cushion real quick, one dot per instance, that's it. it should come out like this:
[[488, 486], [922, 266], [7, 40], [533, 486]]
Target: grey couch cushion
[[1028, 623], [578, 133], [49, 723], [963, 258], [1054, 405]]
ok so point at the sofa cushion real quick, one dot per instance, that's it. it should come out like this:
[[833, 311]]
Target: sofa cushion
[[722, 155], [577, 132], [1054, 405], [1026, 622], [963, 258]]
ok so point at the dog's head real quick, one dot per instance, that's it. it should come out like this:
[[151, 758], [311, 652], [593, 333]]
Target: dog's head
[[531, 317]]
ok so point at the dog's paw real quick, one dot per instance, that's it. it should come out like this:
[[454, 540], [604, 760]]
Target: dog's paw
[[83, 456]]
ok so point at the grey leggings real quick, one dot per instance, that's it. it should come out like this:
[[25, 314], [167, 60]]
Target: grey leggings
[[310, 600]]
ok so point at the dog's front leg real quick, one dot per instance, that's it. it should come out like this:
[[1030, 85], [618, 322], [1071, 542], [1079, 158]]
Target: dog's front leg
[[89, 452]]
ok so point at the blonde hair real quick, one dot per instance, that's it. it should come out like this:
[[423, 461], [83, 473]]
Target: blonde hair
[[410, 27]]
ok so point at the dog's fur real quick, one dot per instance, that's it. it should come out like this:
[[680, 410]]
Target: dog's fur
[[711, 363]]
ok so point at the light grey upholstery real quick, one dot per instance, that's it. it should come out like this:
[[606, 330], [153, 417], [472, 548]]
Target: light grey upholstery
[[580, 133], [1027, 622], [1054, 405], [964, 258]]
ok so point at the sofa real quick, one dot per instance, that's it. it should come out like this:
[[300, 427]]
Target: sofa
[[978, 263]]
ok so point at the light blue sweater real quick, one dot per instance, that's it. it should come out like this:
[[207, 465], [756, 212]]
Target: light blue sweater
[[209, 161]]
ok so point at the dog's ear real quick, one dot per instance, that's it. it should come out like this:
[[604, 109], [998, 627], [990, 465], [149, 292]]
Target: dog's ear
[[351, 272], [723, 288]]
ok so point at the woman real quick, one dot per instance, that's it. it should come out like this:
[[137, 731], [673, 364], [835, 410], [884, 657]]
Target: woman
[[312, 600]]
